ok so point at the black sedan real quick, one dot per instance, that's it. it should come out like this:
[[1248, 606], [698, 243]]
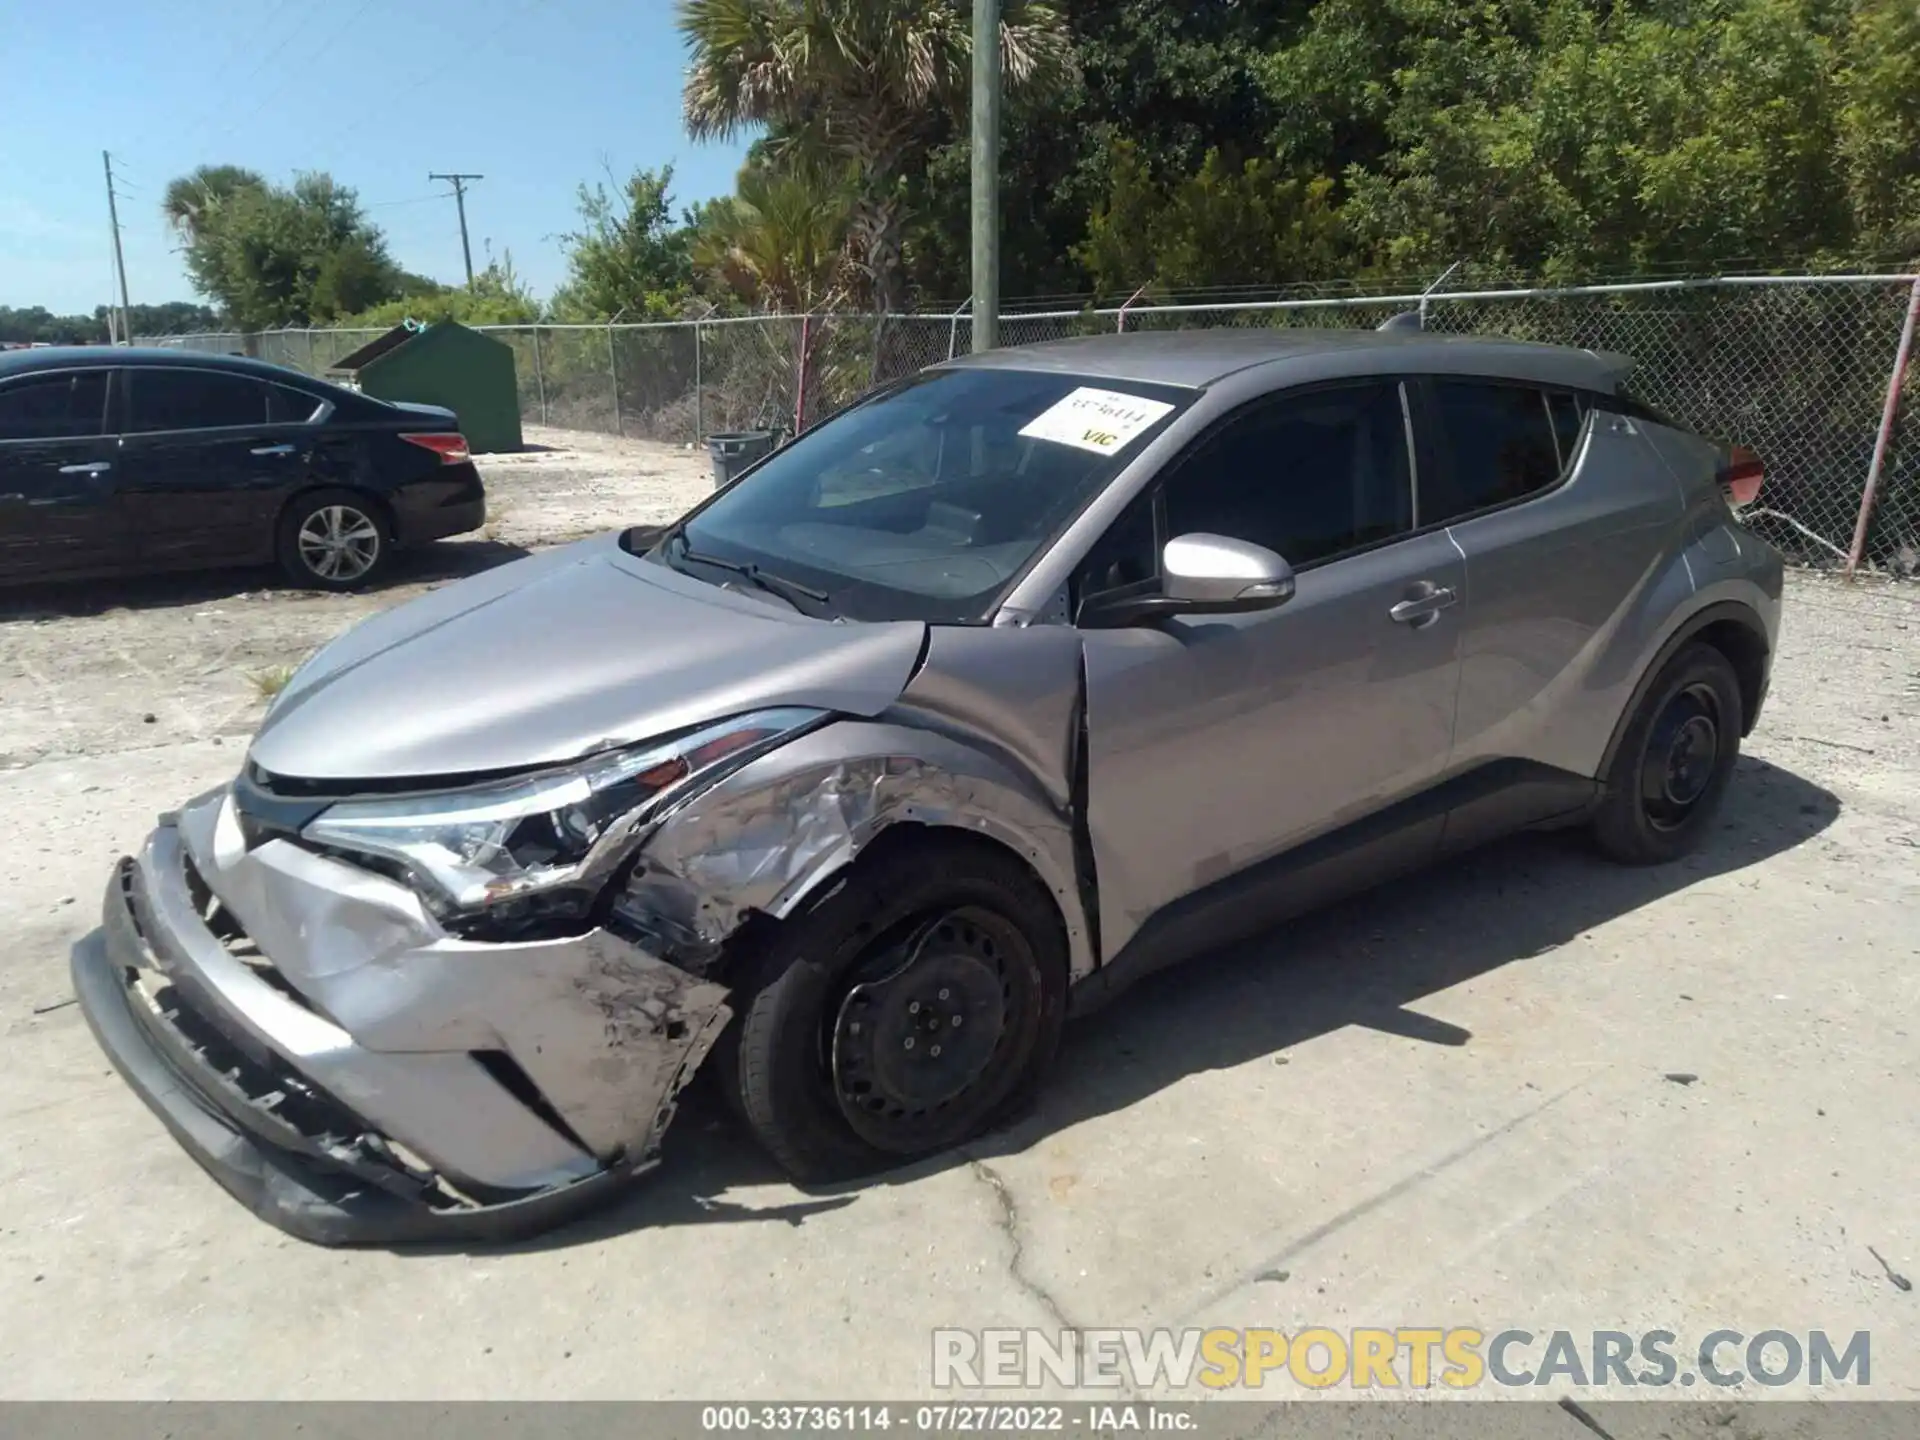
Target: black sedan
[[121, 460]]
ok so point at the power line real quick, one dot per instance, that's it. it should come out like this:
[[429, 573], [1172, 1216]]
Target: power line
[[468, 54], [413, 200], [307, 63]]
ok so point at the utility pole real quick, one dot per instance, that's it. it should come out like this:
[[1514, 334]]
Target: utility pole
[[986, 175], [459, 183], [119, 260]]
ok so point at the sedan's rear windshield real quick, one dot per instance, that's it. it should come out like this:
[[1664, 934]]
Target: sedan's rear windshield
[[928, 501]]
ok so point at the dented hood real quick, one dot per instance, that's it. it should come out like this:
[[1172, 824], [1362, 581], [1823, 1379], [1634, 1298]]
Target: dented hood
[[558, 655]]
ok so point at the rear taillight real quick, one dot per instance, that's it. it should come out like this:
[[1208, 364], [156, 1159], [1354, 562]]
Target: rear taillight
[[1741, 477], [451, 449]]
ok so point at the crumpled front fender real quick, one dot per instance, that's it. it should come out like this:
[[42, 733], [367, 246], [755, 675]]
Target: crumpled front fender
[[605, 1031], [773, 833]]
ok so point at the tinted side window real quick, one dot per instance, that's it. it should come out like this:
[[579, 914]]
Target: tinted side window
[[53, 407], [1501, 445], [168, 399], [1308, 477], [1569, 414], [286, 406]]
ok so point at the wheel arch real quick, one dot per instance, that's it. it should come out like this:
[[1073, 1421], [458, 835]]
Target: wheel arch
[[1733, 628], [380, 505], [774, 835]]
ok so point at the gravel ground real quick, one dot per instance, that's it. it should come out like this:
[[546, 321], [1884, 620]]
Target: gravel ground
[[92, 668], [1450, 1103]]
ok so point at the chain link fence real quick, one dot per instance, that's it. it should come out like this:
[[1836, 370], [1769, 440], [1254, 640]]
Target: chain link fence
[[1798, 369]]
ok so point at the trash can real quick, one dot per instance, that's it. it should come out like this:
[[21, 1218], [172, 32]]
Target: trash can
[[734, 450]]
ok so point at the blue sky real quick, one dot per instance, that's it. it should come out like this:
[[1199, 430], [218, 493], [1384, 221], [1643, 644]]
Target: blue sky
[[536, 95]]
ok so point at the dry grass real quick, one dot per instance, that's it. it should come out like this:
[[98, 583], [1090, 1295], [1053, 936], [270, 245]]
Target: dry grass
[[497, 514], [271, 681]]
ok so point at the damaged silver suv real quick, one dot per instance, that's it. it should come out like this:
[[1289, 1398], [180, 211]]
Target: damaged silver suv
[[1009, 684]]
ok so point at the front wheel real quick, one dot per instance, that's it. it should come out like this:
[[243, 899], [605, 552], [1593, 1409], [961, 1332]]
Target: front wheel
[[904, 1013], [333, 540], [1674, 761]]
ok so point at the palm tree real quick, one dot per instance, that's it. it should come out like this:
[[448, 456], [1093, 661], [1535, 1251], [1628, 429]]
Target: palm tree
[[191, 199], [780, 241], [854, 83]]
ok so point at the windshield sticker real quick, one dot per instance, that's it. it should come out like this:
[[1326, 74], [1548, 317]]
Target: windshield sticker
[[1103, 421]]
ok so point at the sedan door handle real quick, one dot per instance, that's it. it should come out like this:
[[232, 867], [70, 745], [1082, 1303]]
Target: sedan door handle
[[92, 467], [1421, 608], [273, 449]]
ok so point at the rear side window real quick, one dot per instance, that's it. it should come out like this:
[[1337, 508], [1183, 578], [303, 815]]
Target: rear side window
[[168, 399], [1569, 414], [286, 406], [54, 407], [1503, 443]]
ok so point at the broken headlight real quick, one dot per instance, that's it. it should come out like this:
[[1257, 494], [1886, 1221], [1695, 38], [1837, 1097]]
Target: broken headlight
[[521, 846]]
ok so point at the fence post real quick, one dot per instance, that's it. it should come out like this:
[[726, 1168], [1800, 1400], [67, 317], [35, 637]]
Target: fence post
[[879, 339], [699, 391], [1884, 438], [800, 387], [540, 374], [613, 370], [953, 326]]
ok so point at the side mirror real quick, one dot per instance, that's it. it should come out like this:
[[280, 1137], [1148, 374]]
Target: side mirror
[[1215, 573], [1202, 575]]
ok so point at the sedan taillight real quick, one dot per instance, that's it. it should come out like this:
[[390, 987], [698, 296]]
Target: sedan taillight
[[451, 448]]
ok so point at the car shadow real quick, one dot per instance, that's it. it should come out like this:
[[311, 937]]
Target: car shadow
[[1366, 962], [441, 561]]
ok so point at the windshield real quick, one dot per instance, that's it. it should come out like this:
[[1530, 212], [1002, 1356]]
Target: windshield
[[928, 501]]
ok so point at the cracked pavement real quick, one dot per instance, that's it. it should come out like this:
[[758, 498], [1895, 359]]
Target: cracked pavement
[[1444, 1104]]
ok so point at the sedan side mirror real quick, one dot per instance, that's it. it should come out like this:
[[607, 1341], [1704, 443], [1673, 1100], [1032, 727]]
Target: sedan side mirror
[[1216, 573], [1203, 575]]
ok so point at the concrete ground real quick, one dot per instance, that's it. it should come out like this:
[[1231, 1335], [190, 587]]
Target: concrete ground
[[1453, 1103]]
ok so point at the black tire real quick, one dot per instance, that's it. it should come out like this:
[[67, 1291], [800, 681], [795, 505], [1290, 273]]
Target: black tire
[[1674, 762], [818, 993], [304, 542]]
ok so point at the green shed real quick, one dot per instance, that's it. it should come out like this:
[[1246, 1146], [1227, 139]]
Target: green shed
[[443, 364]]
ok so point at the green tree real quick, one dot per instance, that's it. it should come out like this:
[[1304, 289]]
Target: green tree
[[498, 297], [855, 85], [1247, 224], [1879, 145], [629, 257], [779, 244], [272, 255], [35, 324]]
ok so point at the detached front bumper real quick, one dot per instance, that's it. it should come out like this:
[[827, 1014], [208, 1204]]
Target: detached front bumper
[[353, 1074]]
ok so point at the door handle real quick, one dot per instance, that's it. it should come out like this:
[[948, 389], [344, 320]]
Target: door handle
[[273, 449], [92, 467], [1422, 609]]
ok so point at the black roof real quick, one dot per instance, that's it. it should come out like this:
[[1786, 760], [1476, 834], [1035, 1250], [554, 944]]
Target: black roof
[[1197, 358], [80, 357]]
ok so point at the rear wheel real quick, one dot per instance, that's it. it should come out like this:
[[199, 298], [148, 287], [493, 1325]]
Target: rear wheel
[[1674, 762], [333, 540], [905, 1012]]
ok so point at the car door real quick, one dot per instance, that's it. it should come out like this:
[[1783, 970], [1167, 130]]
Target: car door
[[1562, 518], [209, 458], [58, 476], [1234, 762]]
